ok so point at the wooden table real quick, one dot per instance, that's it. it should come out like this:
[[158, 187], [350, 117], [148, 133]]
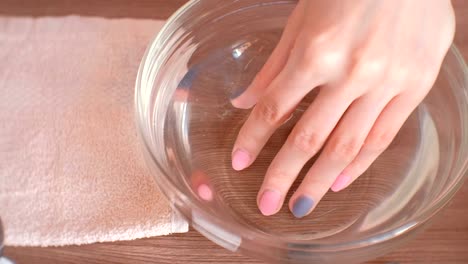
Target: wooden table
[[446, 241]]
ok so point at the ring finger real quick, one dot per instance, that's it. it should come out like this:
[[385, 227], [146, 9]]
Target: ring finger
[[341, 148]]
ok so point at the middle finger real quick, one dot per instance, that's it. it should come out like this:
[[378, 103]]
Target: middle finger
[[303, 143]]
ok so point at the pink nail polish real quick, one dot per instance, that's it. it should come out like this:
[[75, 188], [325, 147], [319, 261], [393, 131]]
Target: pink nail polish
[[240, 160], [269, 202], [341, 182], [205, 192]]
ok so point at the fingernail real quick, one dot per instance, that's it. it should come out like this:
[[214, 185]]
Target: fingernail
[[236, 93], [240, 160], [302, 206], [341, 182], [269, 202], [205, 192], [188, 79]]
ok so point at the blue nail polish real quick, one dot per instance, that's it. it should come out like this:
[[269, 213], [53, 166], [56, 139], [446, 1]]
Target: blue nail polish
[[302, 206], [236, 93], [188, 79]]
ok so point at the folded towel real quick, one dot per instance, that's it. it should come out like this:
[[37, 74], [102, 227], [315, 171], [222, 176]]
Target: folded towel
[[70, 167]]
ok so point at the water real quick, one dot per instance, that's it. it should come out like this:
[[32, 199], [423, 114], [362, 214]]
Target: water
[[200, 126], [400, 178]]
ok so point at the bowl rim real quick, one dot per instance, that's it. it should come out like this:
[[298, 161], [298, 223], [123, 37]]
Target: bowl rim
[[171, 190]]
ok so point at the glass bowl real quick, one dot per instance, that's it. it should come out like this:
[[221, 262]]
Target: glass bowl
[[208, 52]]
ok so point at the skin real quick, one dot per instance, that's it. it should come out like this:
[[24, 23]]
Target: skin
[[375, 61]]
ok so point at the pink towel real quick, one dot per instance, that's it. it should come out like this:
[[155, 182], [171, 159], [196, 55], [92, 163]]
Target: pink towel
[[70, 167]]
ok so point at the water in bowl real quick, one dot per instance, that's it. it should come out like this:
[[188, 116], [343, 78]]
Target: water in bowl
[[200, 127]]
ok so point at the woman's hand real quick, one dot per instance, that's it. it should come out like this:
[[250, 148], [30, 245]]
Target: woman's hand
[[375, 61]]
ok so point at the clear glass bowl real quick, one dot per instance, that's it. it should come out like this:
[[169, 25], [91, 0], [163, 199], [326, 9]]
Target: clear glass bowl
[[209, 51]]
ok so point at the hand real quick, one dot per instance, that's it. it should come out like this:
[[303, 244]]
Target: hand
[[375, 61]]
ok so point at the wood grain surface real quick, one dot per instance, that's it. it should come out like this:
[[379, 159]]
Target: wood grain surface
[[445, 241]]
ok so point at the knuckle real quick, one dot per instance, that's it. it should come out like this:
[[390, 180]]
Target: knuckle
[[245, 141], [376, 67], [278, 179], [269, 111], [307, 142], [344, 149], [330, 59], [379, 140], [400, 75], [276, 175], [318, 56]]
